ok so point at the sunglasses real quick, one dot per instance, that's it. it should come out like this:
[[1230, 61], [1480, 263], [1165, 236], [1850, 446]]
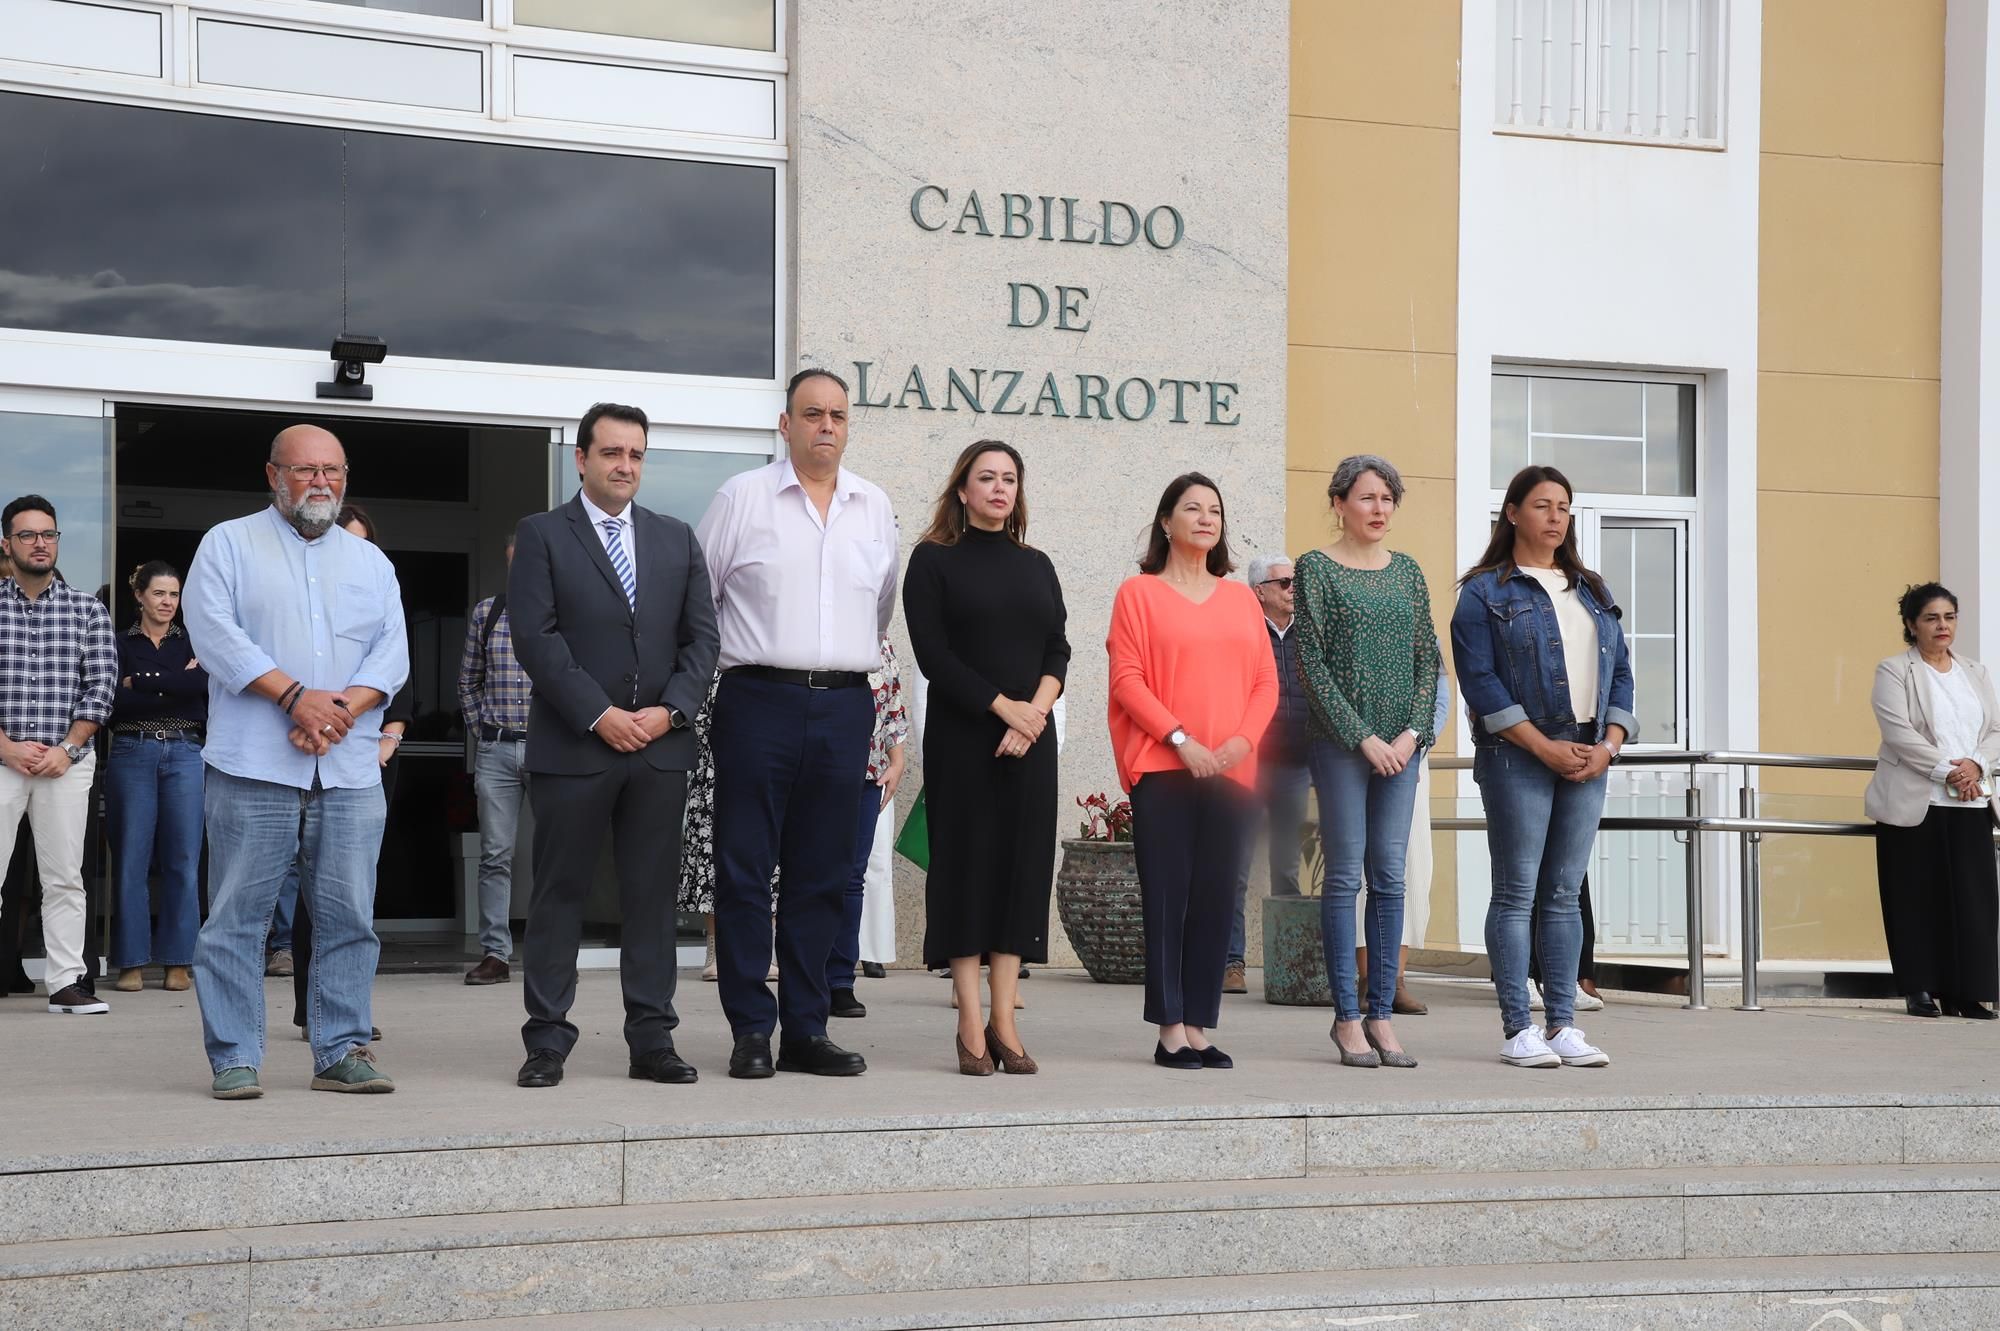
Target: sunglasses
[[1283, 584]]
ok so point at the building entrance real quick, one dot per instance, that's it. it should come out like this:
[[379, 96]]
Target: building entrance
[[444, 498]]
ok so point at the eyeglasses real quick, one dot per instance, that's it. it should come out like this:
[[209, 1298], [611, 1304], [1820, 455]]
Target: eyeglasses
[[49, 537], [333, 471], [1283, 584]]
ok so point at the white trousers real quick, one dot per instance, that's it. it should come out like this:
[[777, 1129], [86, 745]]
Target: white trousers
[[57, 810], [1416, 871], [878, 903]]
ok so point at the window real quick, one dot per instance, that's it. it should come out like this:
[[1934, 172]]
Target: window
[[65, 460], [472, 9], [677, 482], [749, 24], [448, 249], [1643, 70], [1627, 445]]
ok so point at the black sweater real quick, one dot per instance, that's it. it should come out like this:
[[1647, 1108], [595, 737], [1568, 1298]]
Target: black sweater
[[155, 683]]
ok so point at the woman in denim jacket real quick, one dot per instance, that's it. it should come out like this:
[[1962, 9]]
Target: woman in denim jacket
[[1543, 666]]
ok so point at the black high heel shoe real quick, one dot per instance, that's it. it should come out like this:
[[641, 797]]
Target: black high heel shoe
[[1921, 1005]]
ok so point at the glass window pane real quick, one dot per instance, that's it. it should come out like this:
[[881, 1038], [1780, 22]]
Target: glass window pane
[[1653, 607], [454, 250], [65, 460], [474, 9], [1656, 689], [1615, 563], [1590, 406], [1670, 439], [1510, 427], [749, 24], [676, 482], [1601, 466]]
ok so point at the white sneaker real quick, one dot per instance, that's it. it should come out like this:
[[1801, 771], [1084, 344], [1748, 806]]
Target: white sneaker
[[1575, 1051], [1529, 1050], [1588, 1002], [1534, 997]]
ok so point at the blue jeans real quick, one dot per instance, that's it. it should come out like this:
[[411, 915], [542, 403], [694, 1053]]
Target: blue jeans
[[497, 781], [153, 810], [1539, 831], [1283, 788], [256, 830], [280, 938], [846, 954], [1364, 829]]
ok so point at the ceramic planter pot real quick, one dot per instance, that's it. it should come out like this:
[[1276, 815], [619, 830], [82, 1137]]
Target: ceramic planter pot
[[1097, 898]]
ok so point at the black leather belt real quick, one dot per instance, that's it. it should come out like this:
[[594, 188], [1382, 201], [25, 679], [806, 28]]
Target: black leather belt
[[495, 735], [191, 736], [812, 679]]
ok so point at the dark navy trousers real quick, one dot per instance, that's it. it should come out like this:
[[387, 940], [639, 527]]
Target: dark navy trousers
[[788, 760]]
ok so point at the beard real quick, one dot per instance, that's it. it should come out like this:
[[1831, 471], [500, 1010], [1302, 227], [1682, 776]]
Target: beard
[[312, 516]]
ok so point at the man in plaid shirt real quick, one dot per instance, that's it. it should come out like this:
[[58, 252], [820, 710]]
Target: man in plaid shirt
[[493, 694], [58, 670]]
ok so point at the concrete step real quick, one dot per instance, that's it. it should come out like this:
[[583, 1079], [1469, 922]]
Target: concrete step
[[460, 1268], [1767, 1294], [218, 1187]]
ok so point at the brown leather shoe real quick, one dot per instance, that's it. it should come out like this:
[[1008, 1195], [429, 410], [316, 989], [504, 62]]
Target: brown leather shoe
[[1406, 1006], [490, 970], [1232, 979]]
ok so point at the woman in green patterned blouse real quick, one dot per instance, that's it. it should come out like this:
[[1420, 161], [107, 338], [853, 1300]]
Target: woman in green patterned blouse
[[1368, 655]]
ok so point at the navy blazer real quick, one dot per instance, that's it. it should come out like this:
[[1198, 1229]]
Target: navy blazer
[[585, 649]]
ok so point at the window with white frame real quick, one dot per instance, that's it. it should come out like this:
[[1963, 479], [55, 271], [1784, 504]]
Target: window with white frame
[[1644, 71], [1627, 444]]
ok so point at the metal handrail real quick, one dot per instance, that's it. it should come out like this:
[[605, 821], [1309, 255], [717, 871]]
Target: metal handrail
[[1689, 829]]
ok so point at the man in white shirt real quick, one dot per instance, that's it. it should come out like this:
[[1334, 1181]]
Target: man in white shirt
[[802, 559]]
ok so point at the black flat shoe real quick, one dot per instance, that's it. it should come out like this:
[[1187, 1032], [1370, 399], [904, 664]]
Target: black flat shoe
[[819, 1056], [874, 970], [845, 1004], [543, 1068], [1921, 1005], [1186, 1058], [1212, 1057], [751, 1059], [1970, 1011], [662, 1065]]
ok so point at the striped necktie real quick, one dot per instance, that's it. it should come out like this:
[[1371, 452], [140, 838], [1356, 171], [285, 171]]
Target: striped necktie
[[615, 547]]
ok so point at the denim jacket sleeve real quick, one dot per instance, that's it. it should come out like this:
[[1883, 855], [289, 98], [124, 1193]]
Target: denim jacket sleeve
[[1477, 661]]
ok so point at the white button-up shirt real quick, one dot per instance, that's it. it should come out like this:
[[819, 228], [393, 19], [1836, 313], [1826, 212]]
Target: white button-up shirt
[[791, 590], [597, 518]]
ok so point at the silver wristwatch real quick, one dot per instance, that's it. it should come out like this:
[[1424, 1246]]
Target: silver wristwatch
[[1178, 738], [75, 752]]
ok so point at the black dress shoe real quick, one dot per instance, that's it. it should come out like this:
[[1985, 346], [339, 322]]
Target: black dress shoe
[[874, 970], [662, 1065], [543, 1068], [1185, 1057], [1920, 1005], [1970, 1011], [819, 1056], [845, 1004], [751, 1059], [1212, 1057]]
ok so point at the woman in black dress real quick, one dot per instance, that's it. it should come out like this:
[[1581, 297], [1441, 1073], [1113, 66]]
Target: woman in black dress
[[986, 618]]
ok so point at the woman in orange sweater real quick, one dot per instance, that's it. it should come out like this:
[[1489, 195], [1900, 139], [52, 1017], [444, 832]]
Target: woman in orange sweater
[[1192, 685]]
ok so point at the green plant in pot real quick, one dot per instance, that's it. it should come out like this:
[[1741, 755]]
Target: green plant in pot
[[1097, 893], [1294, 946]]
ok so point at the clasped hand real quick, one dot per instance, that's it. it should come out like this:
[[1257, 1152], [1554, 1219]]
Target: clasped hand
[[1575, 762], [1964, 779], [629, 732], [1024, 726], [1389, 758]]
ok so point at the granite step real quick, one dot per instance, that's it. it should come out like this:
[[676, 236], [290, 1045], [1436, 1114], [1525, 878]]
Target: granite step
[[1922, 1293], [223, 1186], [591, 1259]]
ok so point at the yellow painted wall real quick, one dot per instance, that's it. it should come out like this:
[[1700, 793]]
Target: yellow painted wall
[[1374, 277], [1847, 416]]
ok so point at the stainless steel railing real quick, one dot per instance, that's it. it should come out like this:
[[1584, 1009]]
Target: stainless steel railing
[[1689, 829]]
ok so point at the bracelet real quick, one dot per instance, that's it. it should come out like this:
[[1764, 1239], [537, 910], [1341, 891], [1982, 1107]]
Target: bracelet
[[392, 737], [290, 697]]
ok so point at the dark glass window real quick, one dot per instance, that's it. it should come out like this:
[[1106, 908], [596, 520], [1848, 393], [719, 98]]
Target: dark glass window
[[138, 222]]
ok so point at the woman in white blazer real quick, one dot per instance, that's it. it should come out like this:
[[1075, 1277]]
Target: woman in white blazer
[[1940, 722]]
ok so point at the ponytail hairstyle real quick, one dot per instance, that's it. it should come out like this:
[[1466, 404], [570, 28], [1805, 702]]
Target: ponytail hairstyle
[[142, 576]]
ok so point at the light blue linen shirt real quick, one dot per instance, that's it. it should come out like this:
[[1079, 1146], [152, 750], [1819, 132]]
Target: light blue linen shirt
[[327, 612]]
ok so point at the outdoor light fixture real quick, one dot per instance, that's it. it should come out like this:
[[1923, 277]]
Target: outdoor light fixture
[[354, 352]]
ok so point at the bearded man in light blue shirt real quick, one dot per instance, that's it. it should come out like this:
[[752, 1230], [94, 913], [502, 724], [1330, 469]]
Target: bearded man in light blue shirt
[[300, 626]]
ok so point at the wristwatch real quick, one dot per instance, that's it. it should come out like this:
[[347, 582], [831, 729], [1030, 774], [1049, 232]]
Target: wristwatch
[[676, 719], [1178, 738], [75, 752]]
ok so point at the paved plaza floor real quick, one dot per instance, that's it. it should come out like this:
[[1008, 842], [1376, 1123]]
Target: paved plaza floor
[[133, 1085]]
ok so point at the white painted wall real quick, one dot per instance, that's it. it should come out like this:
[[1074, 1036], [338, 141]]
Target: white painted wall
[[1629, 257], [1969, 345]]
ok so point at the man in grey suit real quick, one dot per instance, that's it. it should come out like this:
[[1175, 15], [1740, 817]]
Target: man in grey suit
[[615, 626]]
